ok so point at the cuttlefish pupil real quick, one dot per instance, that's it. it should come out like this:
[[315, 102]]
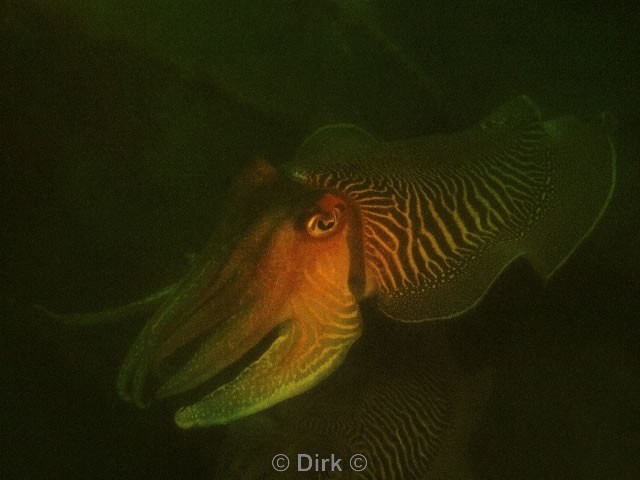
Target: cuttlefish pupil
[[324, 223], [425, 226]]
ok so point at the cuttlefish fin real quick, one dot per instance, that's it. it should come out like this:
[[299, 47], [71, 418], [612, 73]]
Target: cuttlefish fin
[[334, 141], [518, 113], [585, 159], [111, 315]]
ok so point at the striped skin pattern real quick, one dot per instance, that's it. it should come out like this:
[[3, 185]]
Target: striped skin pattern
[[442, 216], [410, 418], [329, 320], [422, 228], [398, 426], [402, 428]]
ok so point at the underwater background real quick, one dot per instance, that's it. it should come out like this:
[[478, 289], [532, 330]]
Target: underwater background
[[122, 125]]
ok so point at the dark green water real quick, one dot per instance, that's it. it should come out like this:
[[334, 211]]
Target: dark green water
[[120, 131]]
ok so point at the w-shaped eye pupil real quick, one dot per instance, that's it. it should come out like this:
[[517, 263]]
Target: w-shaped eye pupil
[[322, 225]]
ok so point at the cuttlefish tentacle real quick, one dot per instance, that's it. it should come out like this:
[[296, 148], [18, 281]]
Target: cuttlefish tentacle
[[122, 312]]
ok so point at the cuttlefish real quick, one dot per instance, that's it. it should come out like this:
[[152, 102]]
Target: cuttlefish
[[422, 226], [400, 400]]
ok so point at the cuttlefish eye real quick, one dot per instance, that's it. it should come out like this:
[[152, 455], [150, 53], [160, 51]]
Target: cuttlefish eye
[[327, 220]]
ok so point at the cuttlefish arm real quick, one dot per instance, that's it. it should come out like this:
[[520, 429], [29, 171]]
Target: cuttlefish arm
[[322, 322], [443, 216], [290, 276], [325, 323]]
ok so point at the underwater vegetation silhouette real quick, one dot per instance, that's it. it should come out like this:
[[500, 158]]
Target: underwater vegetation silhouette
[[296, 61]]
